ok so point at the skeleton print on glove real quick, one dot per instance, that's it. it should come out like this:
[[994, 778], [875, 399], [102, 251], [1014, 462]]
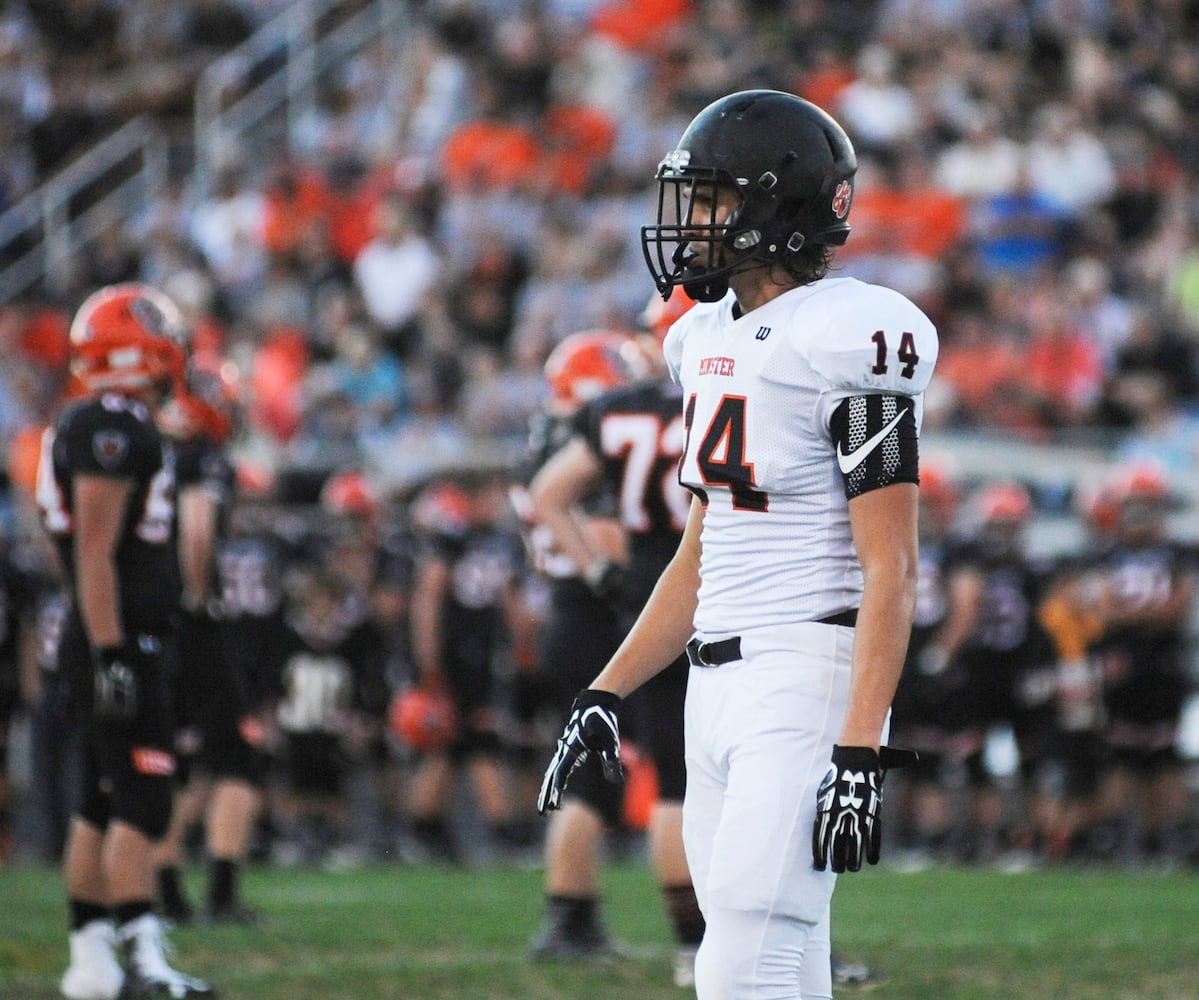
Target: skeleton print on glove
[[591, 728], [847, 830]]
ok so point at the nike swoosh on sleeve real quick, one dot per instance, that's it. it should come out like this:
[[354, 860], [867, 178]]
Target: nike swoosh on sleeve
[[856, 457]]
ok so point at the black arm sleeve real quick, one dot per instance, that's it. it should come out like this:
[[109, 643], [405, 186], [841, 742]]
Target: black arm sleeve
[[876, 442]]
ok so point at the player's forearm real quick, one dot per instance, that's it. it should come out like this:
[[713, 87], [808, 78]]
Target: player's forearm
[[96, 587], [426, 621], [197, 544], [554, 495], [880, 644], [567, 534], [99, 513]]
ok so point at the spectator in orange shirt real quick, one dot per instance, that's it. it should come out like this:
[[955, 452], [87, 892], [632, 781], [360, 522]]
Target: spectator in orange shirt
[[903, 227], [898, 212], [981, 363], [294, 199], [1063, 368]]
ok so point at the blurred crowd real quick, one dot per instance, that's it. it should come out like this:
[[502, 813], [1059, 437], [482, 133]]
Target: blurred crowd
[[381, 296]]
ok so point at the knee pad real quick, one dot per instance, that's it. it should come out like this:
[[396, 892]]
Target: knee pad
[[144, 801], [232, 757], [588, 784], [94, 806]]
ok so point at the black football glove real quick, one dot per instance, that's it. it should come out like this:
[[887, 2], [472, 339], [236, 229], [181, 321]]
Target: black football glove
[[591, 728], [114, 685], [848, 826], [606, 580]]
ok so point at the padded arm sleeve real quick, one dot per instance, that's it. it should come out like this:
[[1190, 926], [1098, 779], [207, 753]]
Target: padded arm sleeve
[[876, 441]]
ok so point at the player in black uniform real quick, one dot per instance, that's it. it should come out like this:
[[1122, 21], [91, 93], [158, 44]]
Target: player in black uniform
[[1008, 667], [924, 699], [55, 741], [21, 586], [468, 614], [331, 689], [580, 367], [1146, 588], [373, 549], [220, 760], [629, 440], [106, 492]]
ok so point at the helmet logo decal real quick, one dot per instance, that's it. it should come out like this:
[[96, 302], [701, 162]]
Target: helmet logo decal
[[841, 199], [148, 315], [109, 448], [676, 160]]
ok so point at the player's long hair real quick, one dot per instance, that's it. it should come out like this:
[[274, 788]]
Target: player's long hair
[[809, 263]]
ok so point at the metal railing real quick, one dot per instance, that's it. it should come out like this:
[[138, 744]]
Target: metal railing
[[40, 233], [274, 71], [308, 38]]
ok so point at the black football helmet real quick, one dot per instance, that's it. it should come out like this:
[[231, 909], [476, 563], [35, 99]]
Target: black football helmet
[[789, 162]]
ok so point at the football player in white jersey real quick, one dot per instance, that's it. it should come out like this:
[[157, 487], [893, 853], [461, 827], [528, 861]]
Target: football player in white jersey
[[793, 587]]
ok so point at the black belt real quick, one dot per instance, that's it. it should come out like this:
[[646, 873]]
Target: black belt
[[714, 654]]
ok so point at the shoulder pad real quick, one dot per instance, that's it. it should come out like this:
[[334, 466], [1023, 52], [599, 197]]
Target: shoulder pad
[[873, 339]]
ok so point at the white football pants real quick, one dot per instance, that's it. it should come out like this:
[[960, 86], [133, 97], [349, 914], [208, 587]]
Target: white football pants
[[759, 737]]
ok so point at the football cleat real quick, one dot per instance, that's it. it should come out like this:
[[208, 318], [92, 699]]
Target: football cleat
[[149, 975], [586, 943], [854, 975], [235, 913], [684, 966], [94, 972]]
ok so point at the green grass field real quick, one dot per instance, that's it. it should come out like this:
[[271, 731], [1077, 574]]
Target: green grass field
[[430, 934]]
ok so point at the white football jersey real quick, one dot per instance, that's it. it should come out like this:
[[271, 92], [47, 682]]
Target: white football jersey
[[759, 392]]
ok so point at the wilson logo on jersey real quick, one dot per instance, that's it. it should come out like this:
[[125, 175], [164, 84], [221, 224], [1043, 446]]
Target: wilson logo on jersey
[[763, 333], [716, 366]]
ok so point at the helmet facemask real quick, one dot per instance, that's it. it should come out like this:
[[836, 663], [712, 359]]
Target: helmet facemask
[[700, 238]]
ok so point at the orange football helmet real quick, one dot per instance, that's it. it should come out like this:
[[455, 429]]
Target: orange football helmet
[[204, 407], [1008, 502], [588, 363], [127, 338], [350, 493], [939, 497], [1099, 509], [660, 314], [936, 485], [1141, 481], [423, 719]]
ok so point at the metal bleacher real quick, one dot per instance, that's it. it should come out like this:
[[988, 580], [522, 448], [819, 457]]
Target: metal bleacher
[[250, 96], [250, 99]]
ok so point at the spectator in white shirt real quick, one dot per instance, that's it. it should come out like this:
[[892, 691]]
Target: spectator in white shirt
[[394, 272], [983, 163]]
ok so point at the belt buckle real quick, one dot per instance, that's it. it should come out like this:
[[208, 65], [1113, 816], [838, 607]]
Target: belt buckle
[[699, 655]]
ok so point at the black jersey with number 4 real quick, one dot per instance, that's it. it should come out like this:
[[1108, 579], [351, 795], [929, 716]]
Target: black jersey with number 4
[[114, 436]]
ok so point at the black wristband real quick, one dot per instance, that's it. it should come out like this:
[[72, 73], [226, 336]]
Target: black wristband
[[606, 700]]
